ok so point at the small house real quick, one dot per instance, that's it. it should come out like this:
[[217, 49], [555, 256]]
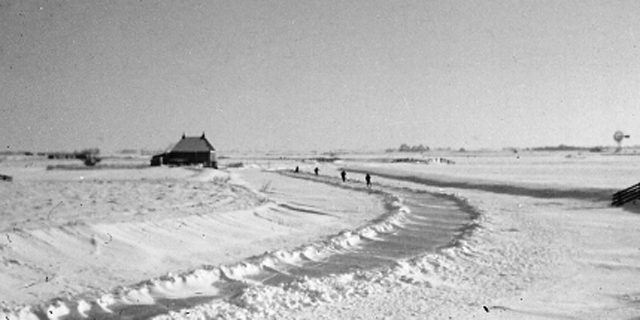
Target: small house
[[188, 151]]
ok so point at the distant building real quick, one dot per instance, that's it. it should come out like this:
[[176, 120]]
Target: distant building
[[82, 155], [61, 155], [188, 151]]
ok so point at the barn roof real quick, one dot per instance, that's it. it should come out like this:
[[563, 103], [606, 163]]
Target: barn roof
[[193, 144]]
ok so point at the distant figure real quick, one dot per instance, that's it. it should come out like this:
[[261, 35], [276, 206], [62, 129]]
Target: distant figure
[[343, 174], [316, 170], [368, 179], [296, 170]]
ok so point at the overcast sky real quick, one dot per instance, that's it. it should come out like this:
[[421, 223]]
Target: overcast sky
[[317, 75]]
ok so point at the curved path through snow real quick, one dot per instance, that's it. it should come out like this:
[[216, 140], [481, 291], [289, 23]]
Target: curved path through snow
[[416, 223]]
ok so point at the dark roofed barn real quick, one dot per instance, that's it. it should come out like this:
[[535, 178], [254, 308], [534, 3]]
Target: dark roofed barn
[[189, 151]]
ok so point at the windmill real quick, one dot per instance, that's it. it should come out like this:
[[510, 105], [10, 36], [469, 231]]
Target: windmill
[[618, 136]]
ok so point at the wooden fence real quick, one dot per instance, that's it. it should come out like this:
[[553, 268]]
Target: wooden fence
[[626, 195]]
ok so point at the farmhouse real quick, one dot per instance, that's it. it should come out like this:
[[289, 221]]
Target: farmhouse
[[188, 151]]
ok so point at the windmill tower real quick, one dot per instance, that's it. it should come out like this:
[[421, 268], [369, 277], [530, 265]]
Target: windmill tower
[[618, 136]]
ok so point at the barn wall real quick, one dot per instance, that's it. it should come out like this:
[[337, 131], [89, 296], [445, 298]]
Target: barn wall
[[190, 158]]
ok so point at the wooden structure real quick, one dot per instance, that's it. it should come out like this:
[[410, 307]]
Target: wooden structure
[[189, 151], [629, 194]]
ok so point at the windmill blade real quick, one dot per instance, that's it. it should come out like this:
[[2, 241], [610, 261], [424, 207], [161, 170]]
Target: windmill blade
[[618, 136]]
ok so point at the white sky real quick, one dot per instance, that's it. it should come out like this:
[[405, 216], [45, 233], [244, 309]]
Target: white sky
[[317, 75]]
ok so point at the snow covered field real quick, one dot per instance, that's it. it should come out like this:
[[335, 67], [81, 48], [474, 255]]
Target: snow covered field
[[524, 237]]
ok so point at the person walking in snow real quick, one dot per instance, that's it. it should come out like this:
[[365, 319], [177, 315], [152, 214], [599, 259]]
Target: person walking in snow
[[343, 174], [316, 170], [368, 179]]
